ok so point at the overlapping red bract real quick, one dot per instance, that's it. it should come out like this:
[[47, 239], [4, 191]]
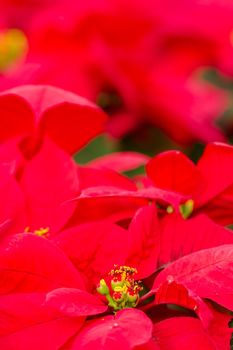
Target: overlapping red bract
[[67, 119], [48, 283], [92, 50], [209, 183]]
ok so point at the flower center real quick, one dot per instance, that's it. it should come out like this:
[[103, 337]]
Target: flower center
[[42, 231], [13, 48], [186, 208], [121, 291]]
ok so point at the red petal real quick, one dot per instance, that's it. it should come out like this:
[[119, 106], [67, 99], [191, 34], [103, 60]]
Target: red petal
[[120, 161], [70, 120], [74, 302], [90, 177], [219, 328], [173, 171], [208, 273], [170, 292], [150, 193], [116, 204], [182, 333], [216, 198], [179, 237], [112, 209], [215, 164], [48, 189], [10, 153], [16, 117], [130, 327], [28, 323], [32, 263], [12, 205], [144, 235], [94, 248]]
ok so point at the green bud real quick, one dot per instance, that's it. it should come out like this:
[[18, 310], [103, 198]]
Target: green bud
[[186, 209], [132, 298], [103, 288], [170, 209]]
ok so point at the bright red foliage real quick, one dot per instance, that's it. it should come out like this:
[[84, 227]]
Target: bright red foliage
[[75, 240], [67, 119], [139, 60], [209, 183]]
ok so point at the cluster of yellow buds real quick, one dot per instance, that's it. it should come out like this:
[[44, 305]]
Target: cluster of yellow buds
[[42, 231], [13, 48], [122, 291]]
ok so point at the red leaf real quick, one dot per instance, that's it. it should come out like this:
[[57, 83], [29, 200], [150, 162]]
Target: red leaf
[[92, 208], [130, 327], [12, 203], [144, 235], [173, 171], [83, 122], [186, 332], [182, 333], [208, 273], [16, 117], [116, 204], [94, 248], [170, 292], [32, 263], [179, 237], [74, 302], [150, 193], [119, 161], [216, 199], [68, 119], [215, 164], [90, 177], [27, 323], [48, 189]]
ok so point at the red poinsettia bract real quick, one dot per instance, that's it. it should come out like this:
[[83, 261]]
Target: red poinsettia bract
[[209, 183], [56, 293], [29, 114]]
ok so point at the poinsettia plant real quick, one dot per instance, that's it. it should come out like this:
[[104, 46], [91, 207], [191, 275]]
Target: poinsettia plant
[[89, 49], [92, 259], [72, 295]]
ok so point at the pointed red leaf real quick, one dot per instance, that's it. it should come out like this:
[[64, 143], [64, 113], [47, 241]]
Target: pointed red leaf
[[208, 273], [48, 189], [94, 248], [16, 117], [68, 119], [182, 333], [150, 193], [10, 154], [32, 263], [27, 323], [90, 177], [173, 171], [130, 327], [12, 202], [74, 302], [93, 208], [120, 161], [219, 329], [179, 237], [217, 160], [144, 236], [216, 198], [170, 292]]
